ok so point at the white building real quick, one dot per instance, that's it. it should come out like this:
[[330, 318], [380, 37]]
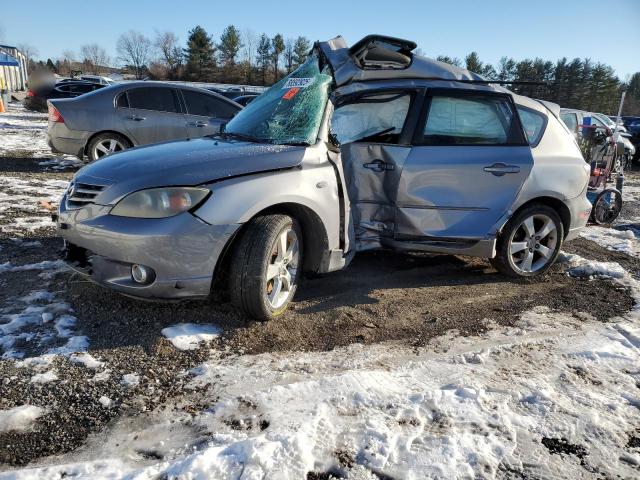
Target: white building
[[14, 76]]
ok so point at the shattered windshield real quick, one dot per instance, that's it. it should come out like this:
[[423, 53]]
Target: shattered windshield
[[289, 112]]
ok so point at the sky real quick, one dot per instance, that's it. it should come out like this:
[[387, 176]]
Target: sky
[[605, 31]]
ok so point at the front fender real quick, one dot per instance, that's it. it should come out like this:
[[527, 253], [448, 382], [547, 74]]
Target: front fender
[[239, 199]]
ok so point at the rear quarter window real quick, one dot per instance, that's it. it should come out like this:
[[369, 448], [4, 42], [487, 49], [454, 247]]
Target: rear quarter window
[[533, 124]]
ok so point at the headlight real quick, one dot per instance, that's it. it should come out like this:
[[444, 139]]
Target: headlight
[[159, 202]]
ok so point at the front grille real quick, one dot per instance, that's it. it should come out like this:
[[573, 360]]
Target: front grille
[[81, 194]]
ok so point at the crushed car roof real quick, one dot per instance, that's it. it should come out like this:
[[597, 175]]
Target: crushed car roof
[[377, 57]]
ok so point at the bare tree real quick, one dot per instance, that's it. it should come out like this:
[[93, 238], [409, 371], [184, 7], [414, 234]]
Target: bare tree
[[67, 61], [134, 49], [28, 50], [169, 53], [95, 57]]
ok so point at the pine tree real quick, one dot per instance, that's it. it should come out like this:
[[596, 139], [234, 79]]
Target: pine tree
[[200, 54], [301, 49], [230, 44], [264, 56], [277, 45], [449, 60], [51, 67]]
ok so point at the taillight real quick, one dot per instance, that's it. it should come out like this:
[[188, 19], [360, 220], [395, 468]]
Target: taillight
[[30, 93], [54, 115]]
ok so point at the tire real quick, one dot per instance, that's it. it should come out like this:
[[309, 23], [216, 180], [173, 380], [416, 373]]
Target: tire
[[529, 243], [267, 247], [105, 144], [607, 207]]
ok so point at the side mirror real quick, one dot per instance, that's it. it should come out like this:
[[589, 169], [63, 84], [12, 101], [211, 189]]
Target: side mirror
[[223, 125]]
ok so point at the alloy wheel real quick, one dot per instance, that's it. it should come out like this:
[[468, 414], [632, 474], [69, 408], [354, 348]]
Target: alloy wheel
[[533, 243], [107, 147], [282, 269]]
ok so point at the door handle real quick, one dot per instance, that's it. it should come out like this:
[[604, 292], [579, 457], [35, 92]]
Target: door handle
[[379, 166], [499, 169], [136, 118], [196, 124]]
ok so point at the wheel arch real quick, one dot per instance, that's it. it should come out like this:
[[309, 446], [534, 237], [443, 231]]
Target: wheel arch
[[558, 205], [85, 150], [314, 237]]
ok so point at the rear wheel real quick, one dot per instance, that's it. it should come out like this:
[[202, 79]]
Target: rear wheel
[[266, 265], [106, 144], [607, 207], [529, 243]]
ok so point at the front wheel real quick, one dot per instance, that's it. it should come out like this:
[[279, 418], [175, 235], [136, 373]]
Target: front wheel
[[266, 265], [529, 243]]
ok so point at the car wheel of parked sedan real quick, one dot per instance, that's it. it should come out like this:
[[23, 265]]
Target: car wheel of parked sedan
[[529, 243], [266, 266], [106, 144]]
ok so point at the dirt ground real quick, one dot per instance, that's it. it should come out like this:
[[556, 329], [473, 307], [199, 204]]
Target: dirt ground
[[382, 296]]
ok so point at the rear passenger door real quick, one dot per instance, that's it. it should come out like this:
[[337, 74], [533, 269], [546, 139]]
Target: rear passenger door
[[469, 160], [205, 113], [151, 114]]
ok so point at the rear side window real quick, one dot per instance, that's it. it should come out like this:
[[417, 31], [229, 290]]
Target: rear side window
[[158, 99], [533, 124], [469, 120], [122, 101], [207, 105], [570, 120]]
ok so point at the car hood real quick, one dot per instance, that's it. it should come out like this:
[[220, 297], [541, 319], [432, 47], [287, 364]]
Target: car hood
[[182, 163]]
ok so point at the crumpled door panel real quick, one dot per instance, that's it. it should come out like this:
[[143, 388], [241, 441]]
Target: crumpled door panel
[[372, 172]]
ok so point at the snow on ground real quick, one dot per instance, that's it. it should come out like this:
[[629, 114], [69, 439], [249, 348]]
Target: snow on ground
[[19, 418], [26, 204], [23, 133], [189, 336], [473, 408], [624, 241]]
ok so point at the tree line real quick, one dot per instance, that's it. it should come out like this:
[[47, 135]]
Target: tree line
[[243, 57]]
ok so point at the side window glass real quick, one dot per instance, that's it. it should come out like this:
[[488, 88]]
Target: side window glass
[[122, 101], [533, 124], [468, 121], [158, 99], [570, 120], [373, 119], [207, 106]]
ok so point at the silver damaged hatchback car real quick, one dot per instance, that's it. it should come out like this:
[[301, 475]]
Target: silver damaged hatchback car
[[360, 148]]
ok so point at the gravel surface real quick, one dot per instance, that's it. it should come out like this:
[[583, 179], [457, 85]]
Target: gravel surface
[[410, 298]]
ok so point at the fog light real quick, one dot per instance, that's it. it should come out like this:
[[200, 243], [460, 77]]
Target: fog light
[[141, 274]]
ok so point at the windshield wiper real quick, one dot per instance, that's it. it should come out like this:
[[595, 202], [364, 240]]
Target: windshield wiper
[[239, 136]]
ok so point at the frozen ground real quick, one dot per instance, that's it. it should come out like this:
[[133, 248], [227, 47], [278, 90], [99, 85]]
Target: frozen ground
[[401, 367], [23, 134]]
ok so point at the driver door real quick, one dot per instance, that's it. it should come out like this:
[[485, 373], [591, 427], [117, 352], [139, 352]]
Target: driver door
[[374, 144]]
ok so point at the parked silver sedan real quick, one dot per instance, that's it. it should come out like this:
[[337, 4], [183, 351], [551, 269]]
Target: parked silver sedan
[[134, 113]]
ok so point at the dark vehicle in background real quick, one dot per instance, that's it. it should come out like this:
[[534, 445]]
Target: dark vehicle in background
[[245, 100], [632, 124], [36, 98], [129, 114]]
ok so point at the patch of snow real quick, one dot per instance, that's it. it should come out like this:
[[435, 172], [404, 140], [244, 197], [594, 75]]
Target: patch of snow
[[189, 336], [86, 359], [19, 418], [131, 379], [623, 241], [106, 402], [23, 133], [46, 377]]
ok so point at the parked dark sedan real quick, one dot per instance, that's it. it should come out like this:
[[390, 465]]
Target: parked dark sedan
[[245, 100], [134, 113], [36, 98]]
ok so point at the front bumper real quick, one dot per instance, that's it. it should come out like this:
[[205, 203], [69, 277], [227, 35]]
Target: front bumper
[[182, 251]]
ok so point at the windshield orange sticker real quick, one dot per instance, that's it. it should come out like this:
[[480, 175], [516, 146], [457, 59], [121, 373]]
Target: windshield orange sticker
[[291, 93]]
